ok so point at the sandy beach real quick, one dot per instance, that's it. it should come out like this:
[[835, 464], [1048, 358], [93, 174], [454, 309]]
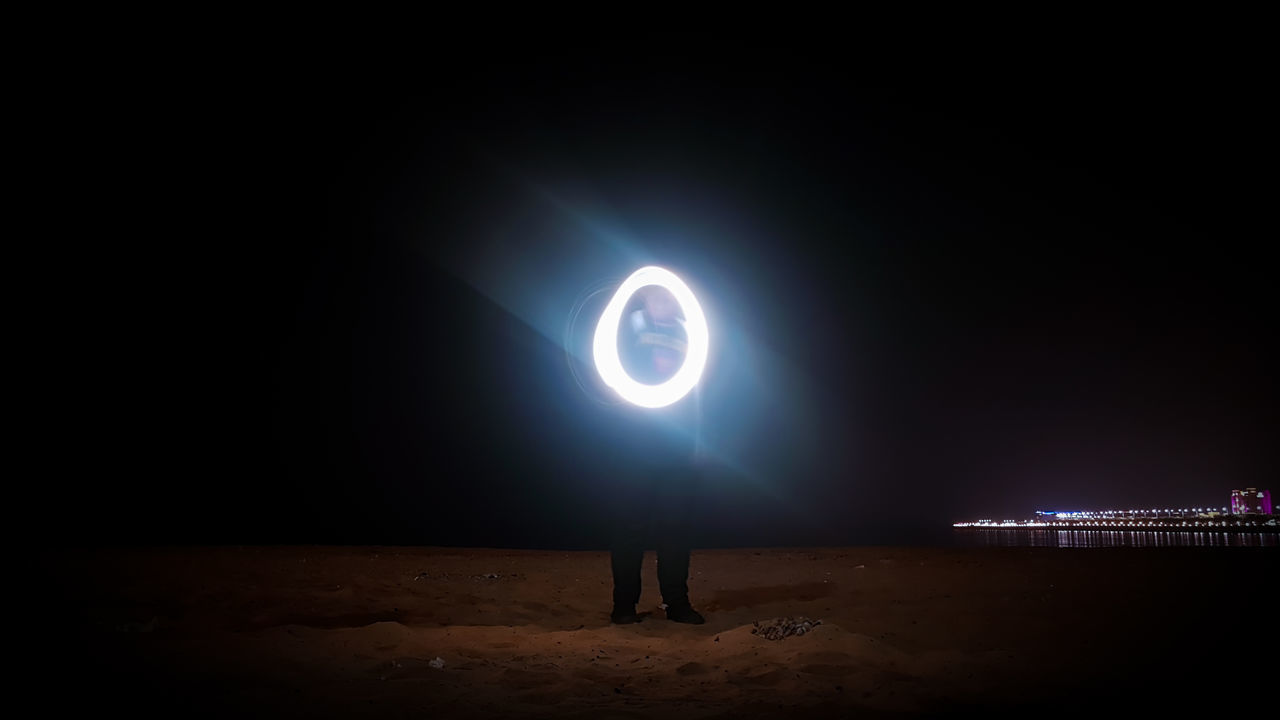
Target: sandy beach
[[480, 633]]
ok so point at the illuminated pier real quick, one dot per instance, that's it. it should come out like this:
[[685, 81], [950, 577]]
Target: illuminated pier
[[1239, 517], [1220, 524]]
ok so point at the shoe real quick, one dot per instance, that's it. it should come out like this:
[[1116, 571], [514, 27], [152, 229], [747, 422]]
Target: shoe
[[624, 615], [684, 614]]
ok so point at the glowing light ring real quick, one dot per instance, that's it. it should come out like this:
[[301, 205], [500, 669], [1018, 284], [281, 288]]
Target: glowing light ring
[[605, 346]]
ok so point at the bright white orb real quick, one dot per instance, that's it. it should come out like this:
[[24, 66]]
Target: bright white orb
[[605, 346]]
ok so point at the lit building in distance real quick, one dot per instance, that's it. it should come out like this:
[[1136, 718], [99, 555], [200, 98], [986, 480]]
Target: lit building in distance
[[1250, 501]]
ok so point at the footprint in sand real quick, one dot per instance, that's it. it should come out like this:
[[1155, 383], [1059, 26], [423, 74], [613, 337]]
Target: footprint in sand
[[756, 596], [828, 670], [529, 679], [692, 668]]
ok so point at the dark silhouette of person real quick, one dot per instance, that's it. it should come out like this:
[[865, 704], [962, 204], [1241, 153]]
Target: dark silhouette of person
[[657, 495]]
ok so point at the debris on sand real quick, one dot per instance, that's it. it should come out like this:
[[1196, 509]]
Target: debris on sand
[[438, 663], [782, 627]]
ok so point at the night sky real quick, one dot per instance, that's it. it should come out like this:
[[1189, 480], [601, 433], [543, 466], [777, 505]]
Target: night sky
[[308, 302]]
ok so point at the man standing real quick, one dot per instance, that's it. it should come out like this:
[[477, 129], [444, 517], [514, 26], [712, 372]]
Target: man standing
[[659, 497]]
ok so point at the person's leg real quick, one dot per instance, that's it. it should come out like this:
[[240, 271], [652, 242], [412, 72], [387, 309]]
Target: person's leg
[[672, 521], [627, 551], [626, 559], [673, 566]]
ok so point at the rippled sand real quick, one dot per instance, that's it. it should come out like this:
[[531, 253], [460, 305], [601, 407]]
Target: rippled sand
[[448, 632]]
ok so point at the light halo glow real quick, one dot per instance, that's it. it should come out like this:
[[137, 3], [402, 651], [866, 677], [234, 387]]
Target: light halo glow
[[605, 345]]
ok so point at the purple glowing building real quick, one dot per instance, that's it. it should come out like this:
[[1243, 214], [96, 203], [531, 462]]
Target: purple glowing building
[[1250, 500]]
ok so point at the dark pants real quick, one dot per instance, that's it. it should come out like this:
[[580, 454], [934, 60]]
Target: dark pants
[[653, 509]]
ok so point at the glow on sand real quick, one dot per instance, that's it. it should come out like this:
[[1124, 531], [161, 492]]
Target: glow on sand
[[605, 346]]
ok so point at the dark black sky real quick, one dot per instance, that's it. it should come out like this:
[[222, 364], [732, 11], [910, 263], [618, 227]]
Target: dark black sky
[[310, 302]]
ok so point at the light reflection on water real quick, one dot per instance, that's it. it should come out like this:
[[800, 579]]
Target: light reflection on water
[[1113, 538]]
